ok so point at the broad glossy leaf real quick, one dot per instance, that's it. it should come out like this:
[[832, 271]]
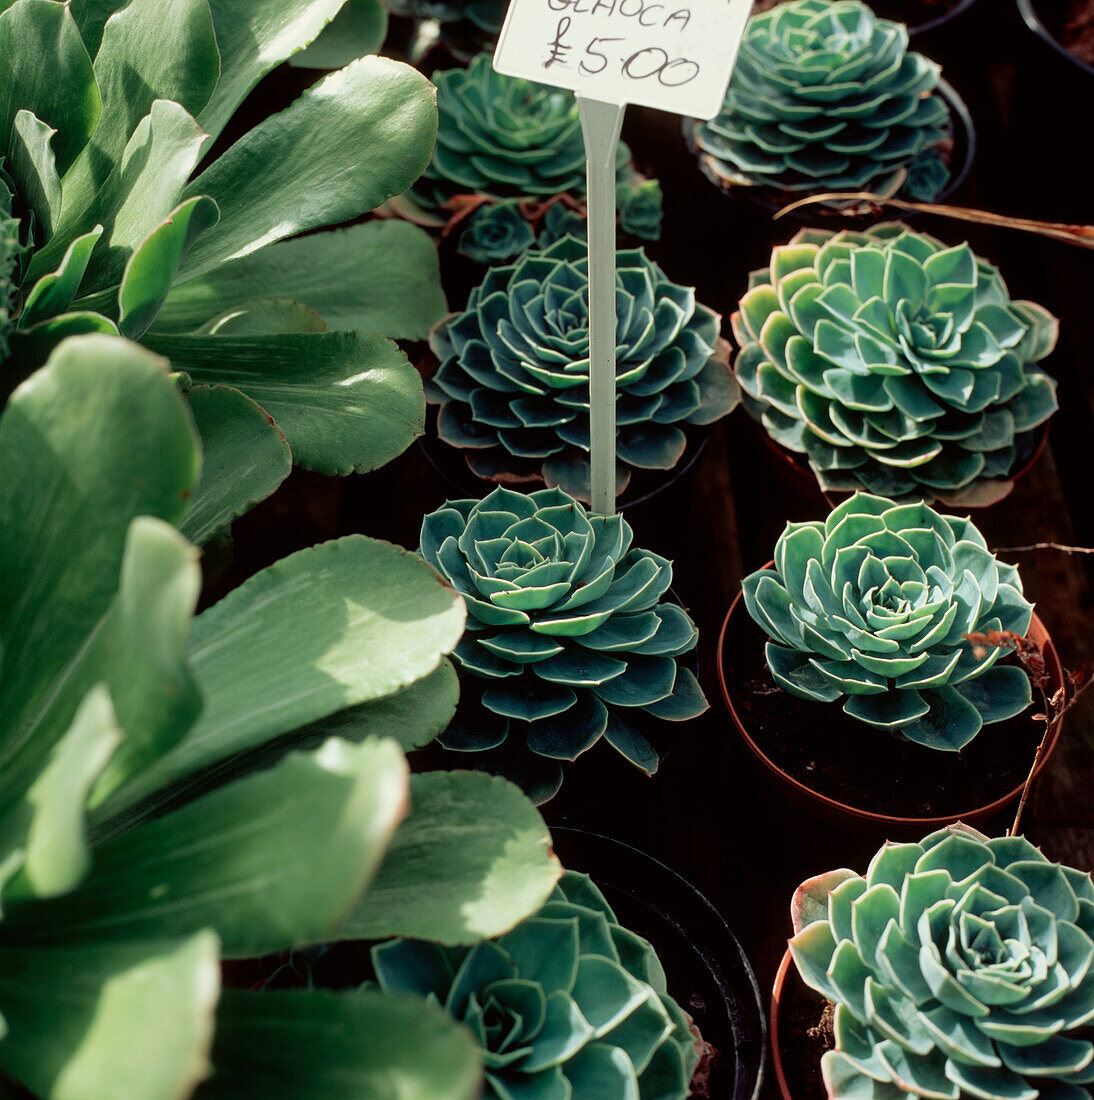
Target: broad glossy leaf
[[245, 458], [358, 29], [53, 293], [148, 274], [31, 164], [132, 1021], [341, 1046], [345, 402], [56, 850], [471, 861], [252, 39], [353, 140], [149, 50], [271, 861], [324, 629], [381, 276], [97, 437], [47, 71]]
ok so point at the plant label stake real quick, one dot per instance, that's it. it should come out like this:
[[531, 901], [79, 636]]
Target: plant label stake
[[613, 52]]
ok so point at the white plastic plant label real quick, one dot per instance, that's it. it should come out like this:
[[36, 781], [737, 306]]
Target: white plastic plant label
[[676, 55]]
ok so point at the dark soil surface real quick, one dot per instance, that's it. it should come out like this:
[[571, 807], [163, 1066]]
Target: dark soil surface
[[1071, 23], [912, 12], [859, 765], [805, 1033]]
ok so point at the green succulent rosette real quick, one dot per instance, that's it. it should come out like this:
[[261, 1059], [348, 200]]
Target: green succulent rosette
[[569, 1003], [496, 232], [872, 606], [513, 379], [895, 364], [960, 968], [568, 638], [507, 138], [824, 97]]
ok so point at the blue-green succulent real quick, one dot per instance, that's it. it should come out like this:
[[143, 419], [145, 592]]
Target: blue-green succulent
[[825, 97], [513, 380], [960, 968], [569, 639], [568, 1004], [872, 606]]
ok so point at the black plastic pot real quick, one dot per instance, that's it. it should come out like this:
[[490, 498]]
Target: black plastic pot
[[1028, 10], [707, 970], [961, 162], [921, 29]]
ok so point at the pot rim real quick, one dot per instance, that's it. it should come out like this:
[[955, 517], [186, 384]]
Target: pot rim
[[773, 1024], [1028, 12], [699, 899], [870, 817], [939, 20]]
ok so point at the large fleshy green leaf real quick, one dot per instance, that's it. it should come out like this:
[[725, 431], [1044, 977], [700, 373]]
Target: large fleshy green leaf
[[132, 1021], [55, 845], [358, 29], [149, 50], [324, 629], [271, 861], [32, 165], [245, 458], [345, 402], [472, 859], [139, 193], [47, 71], [148, 274], [53, 293], [381, 276], [253, 38], [353, 140], [97, 437], [297, 1045]]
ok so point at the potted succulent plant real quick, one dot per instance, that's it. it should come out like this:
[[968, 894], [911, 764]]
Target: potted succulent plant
[[895, 364], [956, 967], [567, 1003], [569, 638], [180, 789], [122, 226], [493, 204], [872, 609], [512, 381], [826, 97]]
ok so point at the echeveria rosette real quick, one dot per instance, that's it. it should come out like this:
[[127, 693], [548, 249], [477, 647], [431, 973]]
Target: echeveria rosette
[[508, 138], [873, 606], [960, 968], [568, 639], [825, 96], [127, 229], [568, 1003], [497, 232], [513, 380], [894, 363]]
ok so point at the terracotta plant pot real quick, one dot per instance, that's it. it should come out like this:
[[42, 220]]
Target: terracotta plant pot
[[1028, 9], [707, 970], [786, 975], [770, 203], [892, 826]]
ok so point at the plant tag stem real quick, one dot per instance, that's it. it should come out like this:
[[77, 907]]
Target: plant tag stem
[[600, 125]]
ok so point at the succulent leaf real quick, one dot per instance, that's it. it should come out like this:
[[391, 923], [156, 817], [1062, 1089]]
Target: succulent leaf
[[568, 1002], [873, 605], [825, 96], [894, 363], [513, 380], [566, 629], [951, 978]]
